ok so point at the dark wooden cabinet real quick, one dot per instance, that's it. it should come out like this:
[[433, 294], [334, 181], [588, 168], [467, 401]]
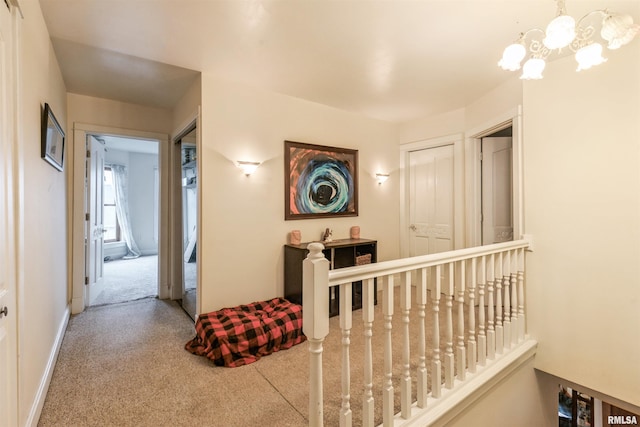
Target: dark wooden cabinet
[[340, 253]]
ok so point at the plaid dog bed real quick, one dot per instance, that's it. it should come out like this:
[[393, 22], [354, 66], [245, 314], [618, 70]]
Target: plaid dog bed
[[241, 335]]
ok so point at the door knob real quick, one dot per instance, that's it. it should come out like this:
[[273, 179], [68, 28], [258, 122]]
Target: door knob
[[4, 312], [413, 227]]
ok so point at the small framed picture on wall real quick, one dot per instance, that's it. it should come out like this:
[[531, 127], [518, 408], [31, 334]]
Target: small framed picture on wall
[[52, 139]]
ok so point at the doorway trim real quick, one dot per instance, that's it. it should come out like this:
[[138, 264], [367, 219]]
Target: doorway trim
[[473, 179], [80, 132], [457, 140]]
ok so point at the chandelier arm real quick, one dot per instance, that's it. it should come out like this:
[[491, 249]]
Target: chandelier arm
[[604, 12], [526, 33]]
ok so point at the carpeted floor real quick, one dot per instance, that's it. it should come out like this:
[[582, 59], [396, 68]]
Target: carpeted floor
[[129, 279], [125, 365]]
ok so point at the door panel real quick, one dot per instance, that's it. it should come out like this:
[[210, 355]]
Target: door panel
[[497, 211], [431, 200], [8, 325], [190, 296], [94, 235]]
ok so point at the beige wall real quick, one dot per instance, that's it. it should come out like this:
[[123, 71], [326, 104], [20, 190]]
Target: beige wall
[[42, 231], [243, 226], [496, 103], [582, 206], [105, 112], [524, 398], [187, 106]]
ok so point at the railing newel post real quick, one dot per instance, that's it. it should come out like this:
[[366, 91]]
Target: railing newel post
[[315, 323]]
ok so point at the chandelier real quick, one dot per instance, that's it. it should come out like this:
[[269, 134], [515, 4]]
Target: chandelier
[[615, 29]]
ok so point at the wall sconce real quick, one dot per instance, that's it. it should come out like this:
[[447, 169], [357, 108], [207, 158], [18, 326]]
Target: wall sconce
[[382, 177], [248, 167]]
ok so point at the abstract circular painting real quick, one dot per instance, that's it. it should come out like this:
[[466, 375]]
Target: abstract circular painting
[[320, 181]]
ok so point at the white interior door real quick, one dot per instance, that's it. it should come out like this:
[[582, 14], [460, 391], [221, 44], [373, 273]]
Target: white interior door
[[8, 331], [94, 231], [497, 195], [431, 202]]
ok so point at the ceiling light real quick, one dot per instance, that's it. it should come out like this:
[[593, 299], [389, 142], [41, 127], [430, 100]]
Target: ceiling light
[[615, 29]]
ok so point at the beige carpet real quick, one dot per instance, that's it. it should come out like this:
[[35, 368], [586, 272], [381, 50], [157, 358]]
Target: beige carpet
[[129, 279], [125, 365]]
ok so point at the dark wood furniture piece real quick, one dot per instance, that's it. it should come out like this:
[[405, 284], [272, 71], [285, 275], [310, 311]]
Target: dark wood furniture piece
[[340, 253]]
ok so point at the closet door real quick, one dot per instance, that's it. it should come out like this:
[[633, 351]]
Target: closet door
[[8, 324], [189, 193]]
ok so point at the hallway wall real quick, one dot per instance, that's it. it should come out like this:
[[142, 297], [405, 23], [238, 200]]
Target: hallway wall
[[243, 217], [582, 195], [41, 218]]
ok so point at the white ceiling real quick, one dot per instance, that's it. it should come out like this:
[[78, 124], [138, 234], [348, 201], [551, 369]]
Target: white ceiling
[[130, 145], [394, 60]]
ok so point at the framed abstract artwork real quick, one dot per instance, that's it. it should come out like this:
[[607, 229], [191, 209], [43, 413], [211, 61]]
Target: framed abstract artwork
[[319, 181], [52, 139]]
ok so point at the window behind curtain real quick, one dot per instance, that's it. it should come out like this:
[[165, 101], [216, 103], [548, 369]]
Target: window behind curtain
[[112, 233]]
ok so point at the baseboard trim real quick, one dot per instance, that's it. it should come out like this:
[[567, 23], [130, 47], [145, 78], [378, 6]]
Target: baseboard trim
[[38, 403]]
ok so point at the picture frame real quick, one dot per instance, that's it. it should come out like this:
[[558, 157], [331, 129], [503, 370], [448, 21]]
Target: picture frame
[[52, 140], [320, 181]]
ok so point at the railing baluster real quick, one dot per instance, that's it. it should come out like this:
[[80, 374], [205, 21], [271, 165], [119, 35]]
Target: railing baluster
[[491, 333], [471, 344], [345, 326], [387, 393], [482, 337], [449, 359], [421, 297], [436, 370], [521, 315], [506, 275], [405, 383], [461, 351], [499, 327], [368, 294], [515, 325]]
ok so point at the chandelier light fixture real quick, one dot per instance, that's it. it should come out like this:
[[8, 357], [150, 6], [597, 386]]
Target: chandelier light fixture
[[563, 31]]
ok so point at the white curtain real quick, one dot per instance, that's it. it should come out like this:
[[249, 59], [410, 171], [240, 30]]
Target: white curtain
[[120, 183]]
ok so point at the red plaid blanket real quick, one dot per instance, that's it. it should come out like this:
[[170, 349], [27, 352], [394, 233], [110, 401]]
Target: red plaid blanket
[[240, 335]]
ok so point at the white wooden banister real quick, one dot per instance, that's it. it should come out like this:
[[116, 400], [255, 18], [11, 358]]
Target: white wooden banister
[[315, 323], [478, 291]]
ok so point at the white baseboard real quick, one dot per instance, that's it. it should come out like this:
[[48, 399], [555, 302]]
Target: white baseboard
[[38, 403]]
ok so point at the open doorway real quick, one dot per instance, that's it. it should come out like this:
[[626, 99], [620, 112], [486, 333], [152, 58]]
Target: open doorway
[[494, 181], [496, 162], [123, 201]]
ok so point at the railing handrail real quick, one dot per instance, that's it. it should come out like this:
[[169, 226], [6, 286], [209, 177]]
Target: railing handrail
[[383, 268]]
